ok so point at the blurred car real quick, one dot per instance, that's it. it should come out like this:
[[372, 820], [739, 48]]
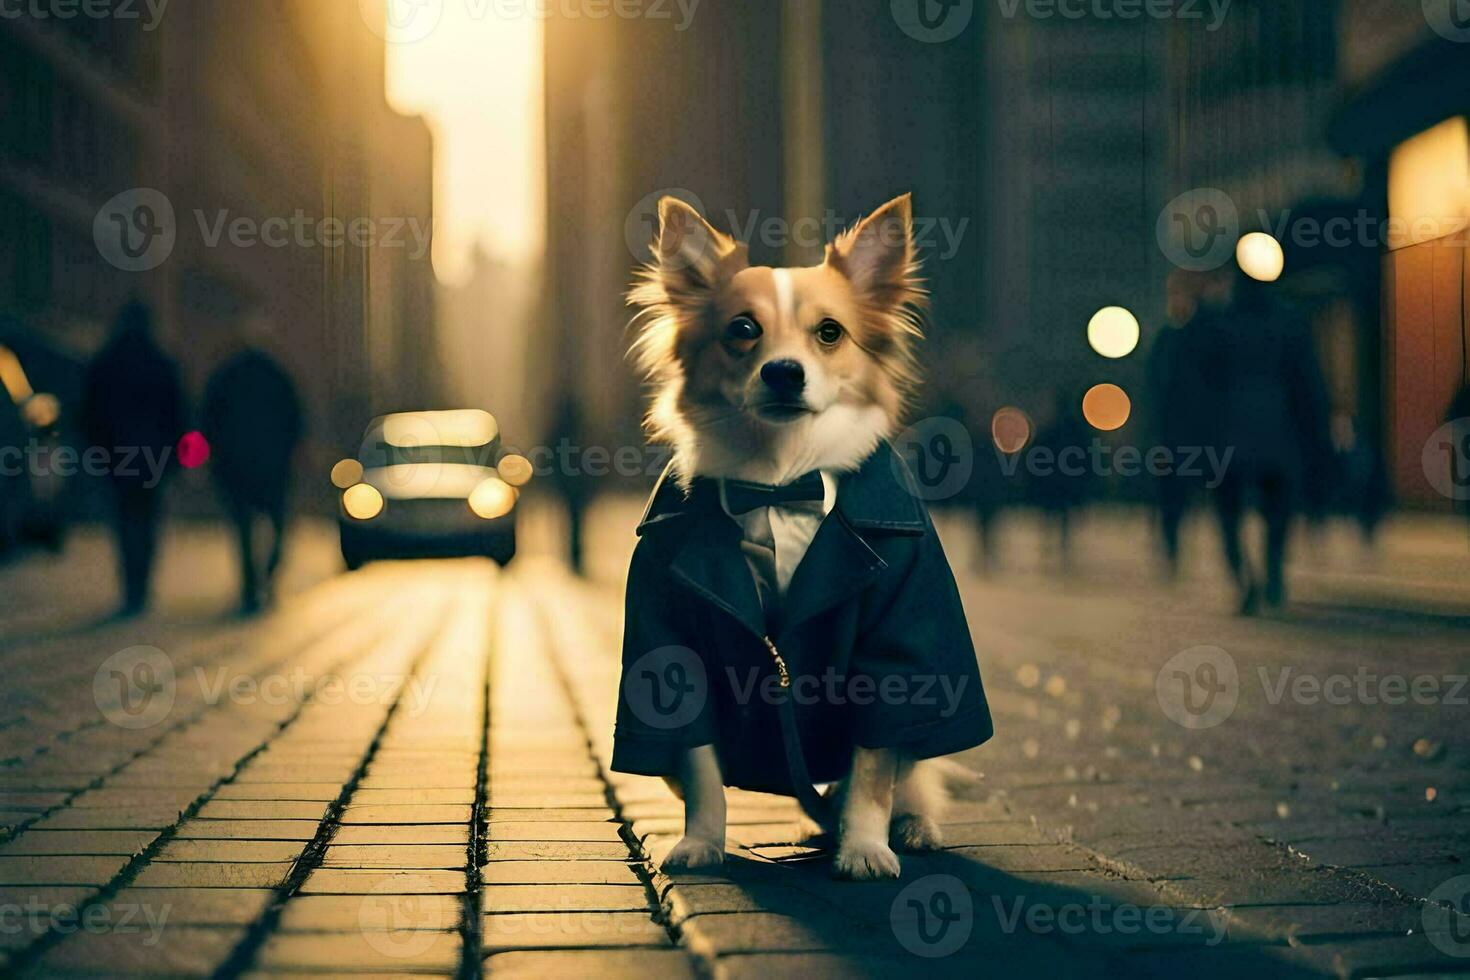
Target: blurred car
[[31, 485], [430, 485]]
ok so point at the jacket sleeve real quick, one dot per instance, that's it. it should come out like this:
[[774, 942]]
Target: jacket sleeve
[[664, 702], [915, 645]]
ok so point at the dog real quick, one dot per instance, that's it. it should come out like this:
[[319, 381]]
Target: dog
[[763, 377]]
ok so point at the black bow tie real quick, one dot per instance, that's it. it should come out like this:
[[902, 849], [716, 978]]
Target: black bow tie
[[742, 497]]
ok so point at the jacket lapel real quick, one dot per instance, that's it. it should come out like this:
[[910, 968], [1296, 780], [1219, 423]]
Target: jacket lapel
[[710, 564], [838, 565]]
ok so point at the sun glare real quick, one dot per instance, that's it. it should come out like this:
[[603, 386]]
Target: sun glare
[[477, 79]]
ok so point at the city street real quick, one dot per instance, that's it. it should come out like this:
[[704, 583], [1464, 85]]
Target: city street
[[404, 771]]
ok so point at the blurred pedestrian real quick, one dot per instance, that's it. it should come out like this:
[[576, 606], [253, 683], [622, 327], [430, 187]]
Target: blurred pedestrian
[[1266, 403], [253, 421], [133, 409], [573, 487], [1173, 385], [1065, 485]]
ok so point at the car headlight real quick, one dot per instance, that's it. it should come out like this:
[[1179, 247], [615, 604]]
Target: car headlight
[[493, 498], [362, 502], [515, 470]]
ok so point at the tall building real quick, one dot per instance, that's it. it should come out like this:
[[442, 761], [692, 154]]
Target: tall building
[[1403, 116], [295, 195]]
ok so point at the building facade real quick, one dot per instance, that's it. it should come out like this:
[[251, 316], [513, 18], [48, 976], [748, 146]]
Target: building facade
[[292, 190]]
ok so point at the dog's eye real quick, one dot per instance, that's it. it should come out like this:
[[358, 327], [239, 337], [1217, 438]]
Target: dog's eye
[[743, 329], [830, 332], [742, 334]]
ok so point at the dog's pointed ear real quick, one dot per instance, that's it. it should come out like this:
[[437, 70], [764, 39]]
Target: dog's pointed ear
[[878, 255], [690, 255]]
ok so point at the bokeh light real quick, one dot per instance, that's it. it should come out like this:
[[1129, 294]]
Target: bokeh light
[[347, 473], [193, 450], [1260, 256], [1106, 407], [493, 498], [362, 502], [1113, 332], [1010, 429]]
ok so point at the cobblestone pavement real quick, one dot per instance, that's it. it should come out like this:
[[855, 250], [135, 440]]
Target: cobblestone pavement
[[403, 772]]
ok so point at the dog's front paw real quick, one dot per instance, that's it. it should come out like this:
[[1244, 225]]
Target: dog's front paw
[[693, 854], [917, 833], [866, 860]]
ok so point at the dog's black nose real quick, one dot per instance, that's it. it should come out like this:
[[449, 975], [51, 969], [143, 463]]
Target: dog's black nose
[[785, 377]]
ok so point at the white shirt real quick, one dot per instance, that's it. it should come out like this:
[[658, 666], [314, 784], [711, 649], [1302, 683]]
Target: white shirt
[[775, 539]]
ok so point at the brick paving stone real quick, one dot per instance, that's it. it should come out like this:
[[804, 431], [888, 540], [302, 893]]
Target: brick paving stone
[[416, 834], [212, 875], [554, 831], [395, 856], [606, 964], [231, 851], [93, 871], [564, 898], [559, 873], [193, 906], [295, 830], [556, 851], [806, 930], [400, 952], [261, 810], [464, 796], [353, 913], [551, 815], [78, 842], [112, 818], [362, 882], [530, 800], [1041, 857], [281, 792], [571, 930], [409, 814], [176, 951]]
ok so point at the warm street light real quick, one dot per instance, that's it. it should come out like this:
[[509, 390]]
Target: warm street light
[[1260, 256], [1113, 332], [1106, 407]]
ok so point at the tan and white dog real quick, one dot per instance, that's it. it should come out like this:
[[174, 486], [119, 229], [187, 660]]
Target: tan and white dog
[[763, 375]]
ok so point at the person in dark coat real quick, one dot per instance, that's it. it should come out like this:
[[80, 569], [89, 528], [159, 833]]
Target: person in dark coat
[[1267, 404], [871, 633], [133, 407], [1067, 485], [252, 419], [1173, 386]]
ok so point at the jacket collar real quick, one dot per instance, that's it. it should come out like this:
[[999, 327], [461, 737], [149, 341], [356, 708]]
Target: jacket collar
[[880, 496]]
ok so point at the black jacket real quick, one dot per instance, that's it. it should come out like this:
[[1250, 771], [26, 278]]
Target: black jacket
[[873, 637]]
